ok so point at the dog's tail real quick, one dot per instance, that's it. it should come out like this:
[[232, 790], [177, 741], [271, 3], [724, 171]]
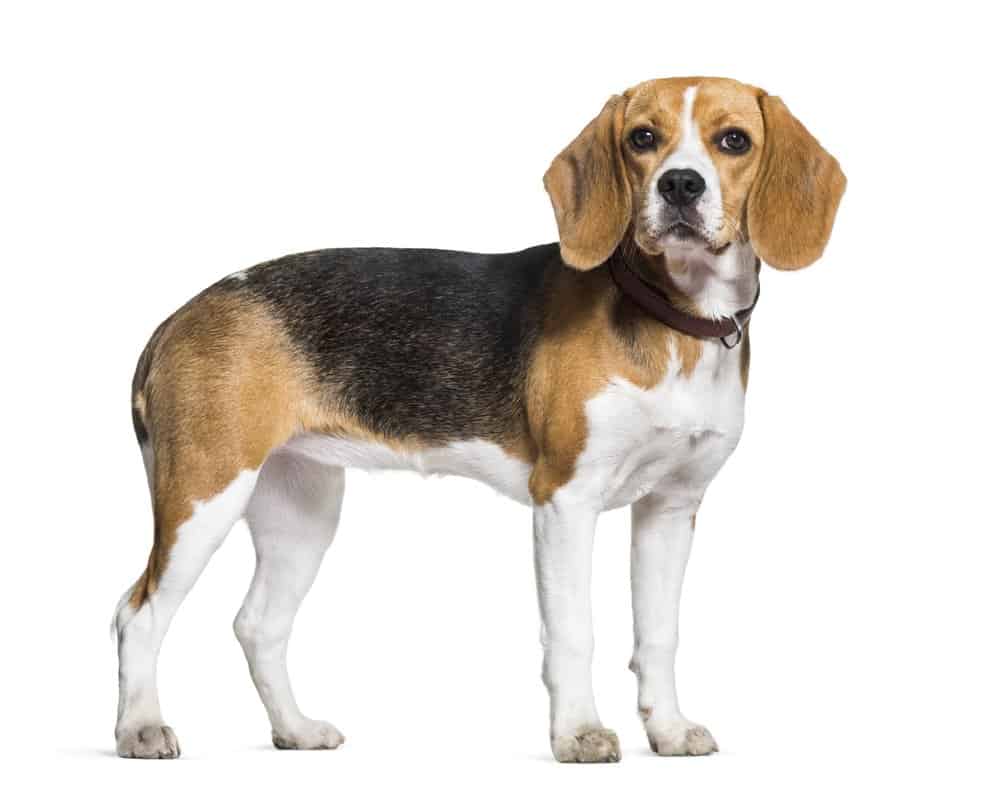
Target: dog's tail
[[140, 401]]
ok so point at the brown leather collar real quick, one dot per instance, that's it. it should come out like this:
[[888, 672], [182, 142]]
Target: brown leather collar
[[656, 303]]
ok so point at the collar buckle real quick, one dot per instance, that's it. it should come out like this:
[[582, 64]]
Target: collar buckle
[[735, 319]]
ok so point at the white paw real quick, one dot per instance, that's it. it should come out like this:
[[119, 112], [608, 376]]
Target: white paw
[[680, 738], [309, 735], [148, 742], [588, 745]]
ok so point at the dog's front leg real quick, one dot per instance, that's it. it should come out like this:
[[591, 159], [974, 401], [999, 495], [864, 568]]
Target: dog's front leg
[[662, 532], [564, 541]]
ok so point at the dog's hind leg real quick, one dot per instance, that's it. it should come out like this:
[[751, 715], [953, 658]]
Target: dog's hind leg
[[292, 517], [188, 529], [217, 389]]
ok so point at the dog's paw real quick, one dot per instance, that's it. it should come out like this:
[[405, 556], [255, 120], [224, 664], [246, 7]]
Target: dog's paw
[[148, 742], [309, 735], [587, 745], [681, 738]]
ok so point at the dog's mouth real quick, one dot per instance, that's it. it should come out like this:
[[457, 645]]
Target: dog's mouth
[[683, 231], [679, 229], [684, 234]]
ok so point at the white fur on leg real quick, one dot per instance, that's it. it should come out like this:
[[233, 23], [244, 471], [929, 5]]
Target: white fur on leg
[[662, 533], [140, 731], [564, 542], [292, 517]]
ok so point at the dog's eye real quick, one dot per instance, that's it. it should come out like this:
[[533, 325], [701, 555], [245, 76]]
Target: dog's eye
[[734, 141], [642, 138]]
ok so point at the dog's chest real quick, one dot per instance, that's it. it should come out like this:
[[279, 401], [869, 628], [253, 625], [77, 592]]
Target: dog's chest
[[673, 437]]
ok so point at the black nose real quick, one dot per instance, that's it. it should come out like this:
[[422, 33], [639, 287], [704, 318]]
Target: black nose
[[681, 187]]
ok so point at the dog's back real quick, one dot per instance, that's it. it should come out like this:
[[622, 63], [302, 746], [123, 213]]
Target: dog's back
[[418, 342]]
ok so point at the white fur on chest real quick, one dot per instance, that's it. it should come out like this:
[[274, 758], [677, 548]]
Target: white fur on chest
[[673, 437]]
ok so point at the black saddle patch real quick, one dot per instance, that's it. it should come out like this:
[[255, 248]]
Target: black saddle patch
[[428, 344]]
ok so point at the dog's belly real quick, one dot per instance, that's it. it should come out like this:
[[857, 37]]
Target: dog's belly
[[476, 459], [677, 461]]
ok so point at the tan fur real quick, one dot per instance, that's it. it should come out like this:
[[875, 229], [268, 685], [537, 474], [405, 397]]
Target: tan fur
[[795, 197], [589, 193], [720, 105], [223, 388]]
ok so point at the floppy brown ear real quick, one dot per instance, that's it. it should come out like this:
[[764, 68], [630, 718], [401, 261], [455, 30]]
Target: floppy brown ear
[[795, 196], [589, 190]]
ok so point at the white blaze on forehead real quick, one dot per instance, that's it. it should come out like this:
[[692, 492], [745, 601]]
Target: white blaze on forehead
[[691, 153]]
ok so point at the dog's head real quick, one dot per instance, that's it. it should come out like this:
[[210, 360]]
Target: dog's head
[[695, 162]]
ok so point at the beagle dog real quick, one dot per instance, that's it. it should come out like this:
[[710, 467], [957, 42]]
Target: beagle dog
[[606, 370]]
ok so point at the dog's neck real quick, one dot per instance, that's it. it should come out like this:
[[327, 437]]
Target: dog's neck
[[702, 282]]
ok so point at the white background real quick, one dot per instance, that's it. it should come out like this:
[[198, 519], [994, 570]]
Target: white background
[[839, 626]]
